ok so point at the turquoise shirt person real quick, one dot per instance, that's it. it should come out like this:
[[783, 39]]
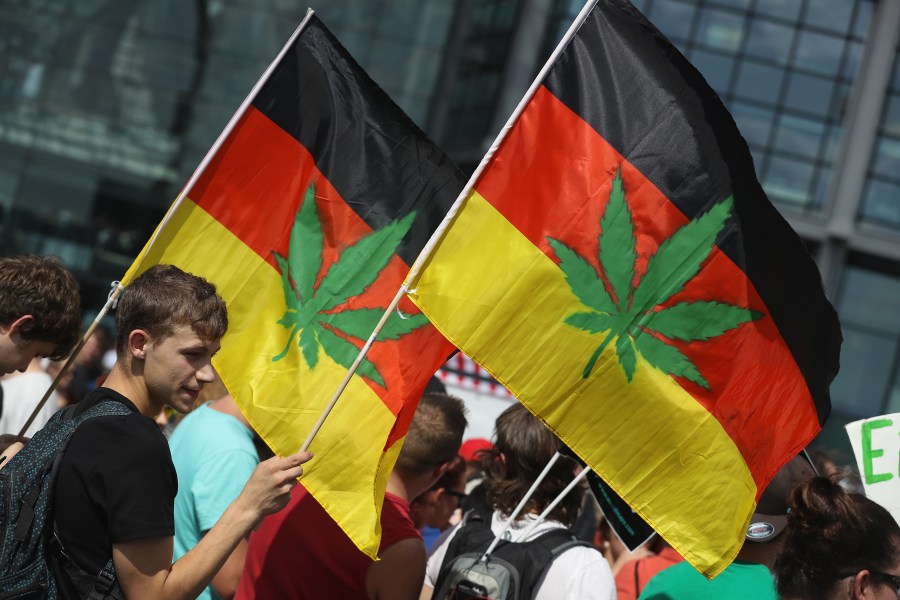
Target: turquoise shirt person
[[740, 581], [214, 456]]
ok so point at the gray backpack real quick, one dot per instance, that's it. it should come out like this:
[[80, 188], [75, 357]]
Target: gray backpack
[[511, 572]]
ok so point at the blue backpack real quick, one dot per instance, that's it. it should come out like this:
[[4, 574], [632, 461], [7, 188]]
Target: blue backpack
[[27, 485]]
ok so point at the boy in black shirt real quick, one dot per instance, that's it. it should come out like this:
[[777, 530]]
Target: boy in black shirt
[[116, 487]]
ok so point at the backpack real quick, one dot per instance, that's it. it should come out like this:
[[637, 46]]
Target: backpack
[[31, 554], [511, 572]]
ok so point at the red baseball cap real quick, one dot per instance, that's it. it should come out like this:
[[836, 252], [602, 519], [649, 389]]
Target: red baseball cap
[[471, 448]]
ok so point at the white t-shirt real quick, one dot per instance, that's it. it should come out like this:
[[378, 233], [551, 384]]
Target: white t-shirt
[[579, 573], [21, 394]]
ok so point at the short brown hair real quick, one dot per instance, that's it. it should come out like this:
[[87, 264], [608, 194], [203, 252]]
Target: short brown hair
[[522, 449], [164, 298], [434, 435], [42, 287]]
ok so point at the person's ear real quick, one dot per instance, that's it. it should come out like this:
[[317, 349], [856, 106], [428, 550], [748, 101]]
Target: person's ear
[[860, 585], [19, 329], [138, 340], [441, 469]]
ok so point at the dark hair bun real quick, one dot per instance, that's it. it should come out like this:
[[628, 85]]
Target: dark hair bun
[[821, 504]]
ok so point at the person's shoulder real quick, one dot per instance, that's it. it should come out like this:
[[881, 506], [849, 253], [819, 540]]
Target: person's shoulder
[[27, 381], [682, 570], [132, 430], [585, 561], [396, 523], [672, 580], [205, 423]]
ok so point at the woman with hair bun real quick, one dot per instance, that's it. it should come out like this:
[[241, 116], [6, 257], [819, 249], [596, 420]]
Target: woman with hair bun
[[837, 545]]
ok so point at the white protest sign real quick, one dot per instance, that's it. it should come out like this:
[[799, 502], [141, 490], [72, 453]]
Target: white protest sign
[[876, 444]]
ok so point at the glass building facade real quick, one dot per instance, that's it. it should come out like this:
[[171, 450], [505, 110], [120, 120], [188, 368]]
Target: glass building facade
[[106, 107]]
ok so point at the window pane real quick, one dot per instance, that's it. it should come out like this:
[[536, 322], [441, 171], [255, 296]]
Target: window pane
[[788, 180], [819, 53], [851, 63], [881, 203], [753, 122], [834, 15], [860, 386], [886, 160], [891, 120], [759, 82], [870, 298], [721, 30], [784, 9], [894, 397], [715, 68], [673, 18], [731, 3], [809, 94], [770, 41], [799, 136], [864, 12], [832, 140]]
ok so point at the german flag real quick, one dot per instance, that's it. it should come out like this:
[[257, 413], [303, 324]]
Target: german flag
[[307, 219], [619, 268]]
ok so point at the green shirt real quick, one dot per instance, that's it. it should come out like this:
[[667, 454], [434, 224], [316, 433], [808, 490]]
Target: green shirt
[[740, 581]]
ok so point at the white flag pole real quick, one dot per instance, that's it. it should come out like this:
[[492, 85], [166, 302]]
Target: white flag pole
[[456, 207], [232, 123], [552, 505], [441, 230], [515, 513]]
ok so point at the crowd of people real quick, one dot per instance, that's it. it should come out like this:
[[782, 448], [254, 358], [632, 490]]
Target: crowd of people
[[209, 512]]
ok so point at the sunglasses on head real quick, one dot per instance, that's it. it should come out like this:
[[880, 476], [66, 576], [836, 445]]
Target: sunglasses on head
[[892, 580], [458, 495]]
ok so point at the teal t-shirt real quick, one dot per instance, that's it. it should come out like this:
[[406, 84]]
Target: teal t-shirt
[[740, 581], [214, 456]]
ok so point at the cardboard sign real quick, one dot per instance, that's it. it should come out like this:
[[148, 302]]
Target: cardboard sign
[[625, 523], [876, 444]]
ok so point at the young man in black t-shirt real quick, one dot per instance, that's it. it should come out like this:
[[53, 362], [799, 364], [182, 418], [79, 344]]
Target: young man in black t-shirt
[[116, 487]]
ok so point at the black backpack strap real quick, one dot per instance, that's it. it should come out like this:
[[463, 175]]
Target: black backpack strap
[[559, 540], [556, 541], [103, 585], [106, 586], [27, 509]]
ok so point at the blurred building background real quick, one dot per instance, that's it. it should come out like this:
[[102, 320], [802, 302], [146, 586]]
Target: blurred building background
[[106, 107]]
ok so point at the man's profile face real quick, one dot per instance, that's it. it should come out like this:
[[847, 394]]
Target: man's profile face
[[177, 367]]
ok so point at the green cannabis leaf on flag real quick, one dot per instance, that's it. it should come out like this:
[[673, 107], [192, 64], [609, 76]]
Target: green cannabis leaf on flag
[[310, 309], [630, 313]]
